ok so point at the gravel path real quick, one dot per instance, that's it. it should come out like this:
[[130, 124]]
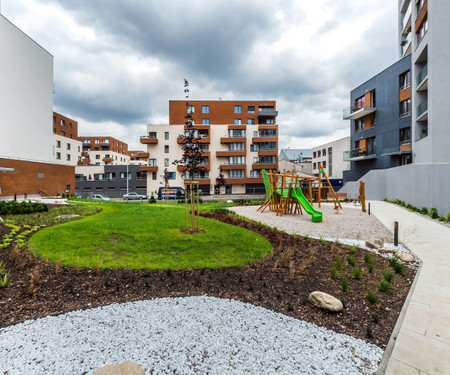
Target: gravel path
[[350, 223], [188, 335]]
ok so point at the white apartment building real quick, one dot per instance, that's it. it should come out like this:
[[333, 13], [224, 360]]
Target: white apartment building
[[26, 96], [424, 27], [330, 156], [66, 150]]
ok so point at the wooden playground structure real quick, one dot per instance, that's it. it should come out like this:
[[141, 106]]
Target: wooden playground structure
[[285, 193]]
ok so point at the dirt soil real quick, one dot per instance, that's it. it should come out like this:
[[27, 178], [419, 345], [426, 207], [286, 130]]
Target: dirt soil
[[281, 282]]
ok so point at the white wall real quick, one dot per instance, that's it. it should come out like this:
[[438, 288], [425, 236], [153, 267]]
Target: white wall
[[339, 165], [75, 150], [26, 96]]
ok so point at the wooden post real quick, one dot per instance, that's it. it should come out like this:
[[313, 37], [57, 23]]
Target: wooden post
[[396, 233], [185, 206], [368, 211], [198, 208], [320, 187], [310, 191], [362, 195]]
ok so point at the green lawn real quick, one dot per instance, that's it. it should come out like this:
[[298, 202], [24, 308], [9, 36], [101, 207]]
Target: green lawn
[[144, 236]]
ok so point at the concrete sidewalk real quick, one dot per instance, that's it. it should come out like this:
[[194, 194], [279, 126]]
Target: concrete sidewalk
[[421, 342]]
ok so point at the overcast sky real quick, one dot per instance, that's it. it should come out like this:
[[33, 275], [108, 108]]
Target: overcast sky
[[117, 63]]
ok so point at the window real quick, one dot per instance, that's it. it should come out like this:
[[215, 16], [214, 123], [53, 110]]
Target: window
[[236, 133], [268, 133], [58, 155], [96, 148], [63, 134], [314, 154], [70, 135], [268, 146], [166, 162], [171, 175], [324, 152], [54, 130], [204, 148], [253, 148], [68, 146], [268, 159], [58, 144], [372, 120], [97, 156], [166, 135], [97, 141], [405, 136], [236, 160], [154, 175], [324, 164], [63, 123], [79, 148], [124, 174], [405, 80], [405, 108], [251, 109], [423, 28], [236, 173], [314, 165], [330, 150], [166, 149], [54, 120], [67, 188], [319, 154], [68, 157], [237, 121], [236, 146], [254, 174], [205, 121], [359, 125], [251, 121], [70, 125], [191, 109], [205, 108], [86, 142], [237, 109]]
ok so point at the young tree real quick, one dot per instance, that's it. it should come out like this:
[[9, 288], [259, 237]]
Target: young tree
[[165, 181], [220, 181], [193, 157]]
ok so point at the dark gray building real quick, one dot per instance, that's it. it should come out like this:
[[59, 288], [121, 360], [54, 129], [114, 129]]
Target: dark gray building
[[380, 121], [110, 180]]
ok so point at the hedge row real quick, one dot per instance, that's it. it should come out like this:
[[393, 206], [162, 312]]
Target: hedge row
[[14, 208]]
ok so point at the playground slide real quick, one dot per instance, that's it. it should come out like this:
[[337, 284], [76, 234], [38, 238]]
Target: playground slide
[[316, 216]]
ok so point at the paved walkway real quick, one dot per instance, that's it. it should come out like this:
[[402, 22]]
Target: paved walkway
[[421, 343]]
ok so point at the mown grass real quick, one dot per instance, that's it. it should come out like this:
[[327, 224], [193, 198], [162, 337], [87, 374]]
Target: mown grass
[[141, 236]]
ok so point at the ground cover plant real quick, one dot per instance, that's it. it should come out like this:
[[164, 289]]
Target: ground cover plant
[[433, 213], [281, 281]]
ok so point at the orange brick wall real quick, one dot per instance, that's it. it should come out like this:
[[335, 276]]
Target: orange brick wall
[[114, 144], [70, 129], [25, 178], [220, 111]]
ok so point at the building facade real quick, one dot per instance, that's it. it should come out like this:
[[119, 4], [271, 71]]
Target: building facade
[[330, 156], [239, 137], [103, 150], [67, 147], [26, 107], [424, 27], [297, 160], [380, 121]]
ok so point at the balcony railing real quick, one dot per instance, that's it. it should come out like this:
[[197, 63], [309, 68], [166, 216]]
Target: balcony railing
[[355, 112], [359, 153], [422, 110], [422, 75]]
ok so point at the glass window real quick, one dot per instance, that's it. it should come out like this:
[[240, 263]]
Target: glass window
[[237, 121], [324, 152], [324, 164], [68, 157], [251, 121], [166, 162], [63, 134], [154, 175], [191, 109], [166, 149], [58, 144], [166, 135], [236, 173], [152, 134], [205, 108], [205, 121], [58, 155], [268, 146], [405, 108], [237, 109], [251, 109], [236, 146], [314, 165], [68, 146], [253, 148], [97, 141], [97, 156], [405, 80], [233, 133], [314, 154], [236, 160], [318, 154], [63, 123]]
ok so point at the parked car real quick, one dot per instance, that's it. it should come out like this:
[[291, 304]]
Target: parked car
[[99, 197], [133, 196], [174, 192]]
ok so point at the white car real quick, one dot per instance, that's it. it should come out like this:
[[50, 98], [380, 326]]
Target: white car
[[99, 197], [133, 196]]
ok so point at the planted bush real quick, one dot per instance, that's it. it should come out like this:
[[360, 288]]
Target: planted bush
[[372, 298], [14, 208], [397, 265], [384, 286]]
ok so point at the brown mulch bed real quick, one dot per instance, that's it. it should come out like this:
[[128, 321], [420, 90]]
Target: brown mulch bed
[[281, 282]]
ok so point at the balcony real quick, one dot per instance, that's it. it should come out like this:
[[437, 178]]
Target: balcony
[[422, 79], [198, 127], [230, 153], [354, 112], [150, 167], [405, 145], [107, 159], [406, 23], [201, 140], [422, 111], [267, 152], [84, 162], [104, 144], [267, 113], [142, 154], [232, 139], [147, 140], [227, 167], [260, 139], [360, 154], [267, 166], [85, 154]]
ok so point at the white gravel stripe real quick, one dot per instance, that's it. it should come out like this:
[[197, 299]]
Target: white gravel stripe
[[189, 335]]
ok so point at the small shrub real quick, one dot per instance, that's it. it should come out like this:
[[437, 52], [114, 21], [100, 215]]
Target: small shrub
[[152, 199], [388, 276], [433, 213], [357, 273], [424, 211], [337, 265], [334, 273], [354, 248], [344, 284], [397, 265], [322, 241], [384, 286], [368, 258], [372, 298], [4, 280], [351, 261], [371, 267]]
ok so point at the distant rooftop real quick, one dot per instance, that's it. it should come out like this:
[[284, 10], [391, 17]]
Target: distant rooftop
[[295, 154]]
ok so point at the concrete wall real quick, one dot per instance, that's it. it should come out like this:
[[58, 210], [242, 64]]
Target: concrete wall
[[335, 158], [421, 185], [26, 96]]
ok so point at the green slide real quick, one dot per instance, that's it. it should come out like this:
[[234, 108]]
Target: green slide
[[316, 216]]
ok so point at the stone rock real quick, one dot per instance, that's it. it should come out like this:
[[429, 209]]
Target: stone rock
[[405, 257], [229, 201], [325, 301], [374, 243], [124, 368], [386, 250]]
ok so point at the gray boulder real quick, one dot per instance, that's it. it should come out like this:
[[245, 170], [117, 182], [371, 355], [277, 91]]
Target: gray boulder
[[325, 301]]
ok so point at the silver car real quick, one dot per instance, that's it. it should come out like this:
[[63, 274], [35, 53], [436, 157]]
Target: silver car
[[133, 196], [99, 197]]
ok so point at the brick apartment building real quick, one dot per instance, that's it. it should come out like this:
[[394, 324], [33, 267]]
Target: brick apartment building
[[240, 137]]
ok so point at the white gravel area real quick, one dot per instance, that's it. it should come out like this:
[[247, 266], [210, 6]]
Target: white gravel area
[[189, 335]]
